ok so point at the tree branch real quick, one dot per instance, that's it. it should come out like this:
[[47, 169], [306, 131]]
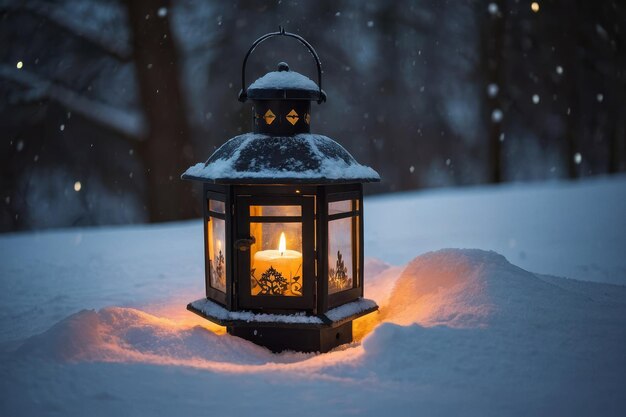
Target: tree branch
[[129, 123]]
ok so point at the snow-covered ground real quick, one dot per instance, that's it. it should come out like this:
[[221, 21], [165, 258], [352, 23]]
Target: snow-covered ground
[[572, 229], [93, 321]]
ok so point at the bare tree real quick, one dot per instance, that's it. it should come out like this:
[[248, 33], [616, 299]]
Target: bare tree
[[168, 150], [492, 34]]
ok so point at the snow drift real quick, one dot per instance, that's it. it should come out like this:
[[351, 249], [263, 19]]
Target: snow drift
[[474, 288], [125, 334], [460, 332], [473, 293], [459, 328], [472, 309]]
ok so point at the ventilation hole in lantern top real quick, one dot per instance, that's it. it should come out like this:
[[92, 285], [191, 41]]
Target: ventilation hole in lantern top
[[337, 336]]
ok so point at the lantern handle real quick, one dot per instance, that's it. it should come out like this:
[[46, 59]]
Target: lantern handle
[[243, 94]]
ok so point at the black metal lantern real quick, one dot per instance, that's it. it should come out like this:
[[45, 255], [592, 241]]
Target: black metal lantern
[[283, 229]]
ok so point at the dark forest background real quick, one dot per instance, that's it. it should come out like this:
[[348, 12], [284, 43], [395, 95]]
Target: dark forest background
[[104, 103]]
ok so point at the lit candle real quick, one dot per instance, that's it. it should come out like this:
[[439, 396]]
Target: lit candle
[[287, 263]]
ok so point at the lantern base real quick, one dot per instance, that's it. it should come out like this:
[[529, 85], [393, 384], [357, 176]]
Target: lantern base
[[279, 332], [279, 339]]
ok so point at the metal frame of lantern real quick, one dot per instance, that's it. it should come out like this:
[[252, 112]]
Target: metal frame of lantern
[[312, 311]]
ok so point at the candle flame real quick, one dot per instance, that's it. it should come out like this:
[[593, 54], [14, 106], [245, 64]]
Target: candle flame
[[219, 244], [282, 244]]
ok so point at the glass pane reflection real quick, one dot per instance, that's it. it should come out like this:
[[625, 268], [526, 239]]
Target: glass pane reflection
[[340, 273], [217, 254]]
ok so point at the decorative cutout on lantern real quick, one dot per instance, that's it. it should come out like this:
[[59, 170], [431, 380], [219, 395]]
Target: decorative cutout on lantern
[[277, 272], [269, 117], [292, 117], [307, 118], [338, 279], [272, 282]]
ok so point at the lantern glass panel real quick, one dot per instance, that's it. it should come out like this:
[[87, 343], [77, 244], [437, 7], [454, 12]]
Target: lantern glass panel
[[217, 255], [337, 207], [275, 211], [217, 206], [276, 259], [340, 254]]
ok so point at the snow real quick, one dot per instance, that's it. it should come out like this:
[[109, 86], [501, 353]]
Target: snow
[[288, 80], [329, 159], [578, 158], [210, 308], [347, 310], [336, 314], [496, 116], [571, 229], [93, 321]]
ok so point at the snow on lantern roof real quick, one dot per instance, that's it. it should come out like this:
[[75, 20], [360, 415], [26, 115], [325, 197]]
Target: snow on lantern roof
[[283, 84], [284, 79], [256, 158]]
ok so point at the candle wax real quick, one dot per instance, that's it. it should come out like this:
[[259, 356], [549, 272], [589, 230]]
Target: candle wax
[[287, 263]]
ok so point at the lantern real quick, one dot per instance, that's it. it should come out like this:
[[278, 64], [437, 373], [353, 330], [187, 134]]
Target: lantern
[[283, 222]]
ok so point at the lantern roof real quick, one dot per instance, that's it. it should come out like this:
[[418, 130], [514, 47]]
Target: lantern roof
[[283, 84], [255, 158]]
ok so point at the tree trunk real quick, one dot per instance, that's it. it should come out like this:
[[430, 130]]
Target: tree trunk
[[168, 150], [492, 47]]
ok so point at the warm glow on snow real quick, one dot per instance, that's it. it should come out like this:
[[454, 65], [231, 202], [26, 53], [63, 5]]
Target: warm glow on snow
[[364, 325]]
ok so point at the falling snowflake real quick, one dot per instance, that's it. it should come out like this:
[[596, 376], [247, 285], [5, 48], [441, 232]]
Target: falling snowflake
[[492, 90], [578, 158], [496, 116]]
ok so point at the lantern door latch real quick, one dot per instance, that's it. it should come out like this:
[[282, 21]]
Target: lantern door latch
[[244, 244]]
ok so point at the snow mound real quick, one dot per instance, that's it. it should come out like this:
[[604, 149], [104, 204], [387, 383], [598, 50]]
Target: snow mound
[[124, 334], [380, 278], [466, 288], [530, 341], [446, 287], [458, 324]]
